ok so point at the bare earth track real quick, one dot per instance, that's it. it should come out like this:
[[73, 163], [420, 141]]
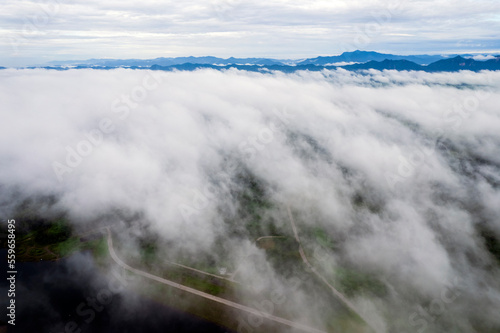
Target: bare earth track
[[205, 295], [334, 290]]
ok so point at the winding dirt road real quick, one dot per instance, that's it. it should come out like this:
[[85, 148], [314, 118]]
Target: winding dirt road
[[322, 278], [205, 295]]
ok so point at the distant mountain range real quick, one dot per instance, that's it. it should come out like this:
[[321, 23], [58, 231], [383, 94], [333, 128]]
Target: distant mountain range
[[171, 62], [365, 56], [445, 65], [357, 60]]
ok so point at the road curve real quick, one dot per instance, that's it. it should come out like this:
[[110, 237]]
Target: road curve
[[205, 295], [333, 289]]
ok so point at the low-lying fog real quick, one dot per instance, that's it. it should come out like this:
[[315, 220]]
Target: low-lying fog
[[400, 169]]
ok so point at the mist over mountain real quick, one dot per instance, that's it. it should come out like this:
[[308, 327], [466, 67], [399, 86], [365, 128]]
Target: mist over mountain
[[390, 179], [400, 65], [355, 56], [169, 61], [454, 64]]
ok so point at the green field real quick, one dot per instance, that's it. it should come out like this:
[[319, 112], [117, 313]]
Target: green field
[[54, 240]]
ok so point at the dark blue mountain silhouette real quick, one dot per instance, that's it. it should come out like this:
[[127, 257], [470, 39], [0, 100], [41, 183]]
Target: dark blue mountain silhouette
[[455, 64], [356, 56], [446, 65], [459, 63], [366, 59], [167, 61], [365, 56]]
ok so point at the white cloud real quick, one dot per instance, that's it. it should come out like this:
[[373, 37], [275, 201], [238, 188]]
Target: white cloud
[[482, 57], [148, 29], [419, 151]]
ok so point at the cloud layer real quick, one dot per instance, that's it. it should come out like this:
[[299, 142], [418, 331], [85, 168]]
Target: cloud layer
[[401, 170]]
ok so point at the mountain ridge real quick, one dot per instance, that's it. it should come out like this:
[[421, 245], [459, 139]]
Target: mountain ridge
[[354, 56], [370, 60], [365, 56]]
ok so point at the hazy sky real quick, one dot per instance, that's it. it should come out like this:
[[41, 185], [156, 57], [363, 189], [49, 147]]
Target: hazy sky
[[36, 31]]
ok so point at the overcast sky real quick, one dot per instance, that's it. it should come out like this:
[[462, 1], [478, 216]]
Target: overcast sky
[[33, 32]]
